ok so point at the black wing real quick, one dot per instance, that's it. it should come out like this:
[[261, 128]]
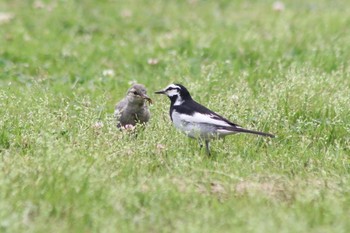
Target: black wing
[[190, 107]]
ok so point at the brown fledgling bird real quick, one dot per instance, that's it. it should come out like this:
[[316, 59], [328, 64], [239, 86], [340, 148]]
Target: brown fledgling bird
[[133, 108]]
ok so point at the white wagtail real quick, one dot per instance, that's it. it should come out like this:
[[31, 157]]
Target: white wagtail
[[197, 121], [133, 108]]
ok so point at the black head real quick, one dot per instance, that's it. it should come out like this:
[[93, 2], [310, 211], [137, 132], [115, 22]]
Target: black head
[[177, 93]]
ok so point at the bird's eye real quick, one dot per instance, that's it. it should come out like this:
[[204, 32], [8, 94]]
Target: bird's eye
[[135, 93]]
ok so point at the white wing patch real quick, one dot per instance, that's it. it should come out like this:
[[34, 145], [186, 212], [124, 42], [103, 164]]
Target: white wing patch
[[199, 125], [225, 132], [203, 118]]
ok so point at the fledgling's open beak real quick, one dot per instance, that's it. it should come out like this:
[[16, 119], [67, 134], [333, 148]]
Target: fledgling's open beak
[[160, 92], [145, 97]]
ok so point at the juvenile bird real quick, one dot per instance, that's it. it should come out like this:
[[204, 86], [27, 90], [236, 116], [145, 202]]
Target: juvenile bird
[[197, 121], [133, 108]]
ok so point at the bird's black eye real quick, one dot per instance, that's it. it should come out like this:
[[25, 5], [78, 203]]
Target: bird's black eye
[[135, 93]]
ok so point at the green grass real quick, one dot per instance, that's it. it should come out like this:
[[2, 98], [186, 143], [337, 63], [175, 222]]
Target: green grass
[[281, 72]]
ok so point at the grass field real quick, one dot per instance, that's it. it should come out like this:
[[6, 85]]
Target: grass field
[[64, 167]]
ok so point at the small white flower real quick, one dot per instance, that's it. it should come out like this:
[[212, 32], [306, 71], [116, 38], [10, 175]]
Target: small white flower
[[6, 17], [108, 72], [192, 2], [160, 146], [152, 61], [234, 97], [278, 6], [98, 125], [132, 82], [169, 35], [39, 5], [126, 13], [128, 127]]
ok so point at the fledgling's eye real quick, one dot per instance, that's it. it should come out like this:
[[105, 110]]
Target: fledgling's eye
[[135, 93]]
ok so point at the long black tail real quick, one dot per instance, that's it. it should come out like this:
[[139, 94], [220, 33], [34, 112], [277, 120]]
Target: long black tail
[[241, 130]]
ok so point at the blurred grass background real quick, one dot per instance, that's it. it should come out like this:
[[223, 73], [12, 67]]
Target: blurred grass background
[[276, 67]]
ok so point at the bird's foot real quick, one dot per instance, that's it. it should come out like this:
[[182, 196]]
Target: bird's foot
[[207, 147]]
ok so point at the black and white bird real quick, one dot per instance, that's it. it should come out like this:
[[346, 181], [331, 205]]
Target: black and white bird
[[133, 108], [197, 121]]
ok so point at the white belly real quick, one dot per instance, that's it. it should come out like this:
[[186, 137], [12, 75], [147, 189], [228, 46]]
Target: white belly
[[194, 130]]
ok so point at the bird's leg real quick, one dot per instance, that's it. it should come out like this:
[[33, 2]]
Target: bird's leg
[[207, 147], [200, 142]]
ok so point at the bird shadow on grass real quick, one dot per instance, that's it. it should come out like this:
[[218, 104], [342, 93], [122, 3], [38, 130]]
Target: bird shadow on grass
[[217, 148], [199, 149]]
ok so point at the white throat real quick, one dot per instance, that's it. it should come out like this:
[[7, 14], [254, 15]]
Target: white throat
[[178, 101]]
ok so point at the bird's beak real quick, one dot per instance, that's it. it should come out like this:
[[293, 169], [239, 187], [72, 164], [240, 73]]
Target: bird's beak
[[160, 92], [145, 97]]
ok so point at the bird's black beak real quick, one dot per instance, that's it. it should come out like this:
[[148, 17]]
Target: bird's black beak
[[160, 92]]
